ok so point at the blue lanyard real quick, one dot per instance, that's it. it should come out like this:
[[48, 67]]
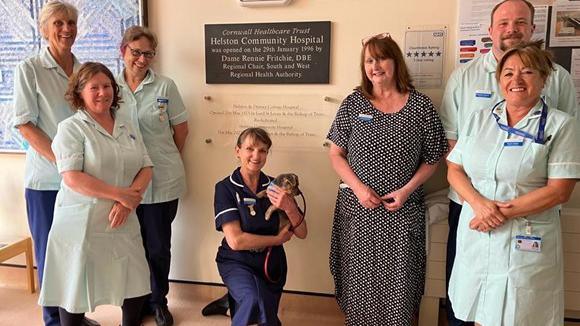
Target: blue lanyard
[[539, 138]]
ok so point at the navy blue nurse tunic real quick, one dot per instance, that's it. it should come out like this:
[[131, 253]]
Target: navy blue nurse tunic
[[256, 298]]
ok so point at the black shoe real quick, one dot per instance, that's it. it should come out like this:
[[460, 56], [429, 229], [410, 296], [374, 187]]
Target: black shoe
[[217, 307], [163, 317], [89, 322], [146, 311]]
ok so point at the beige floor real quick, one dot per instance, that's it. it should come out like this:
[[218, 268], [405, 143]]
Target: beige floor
[[18, 306]]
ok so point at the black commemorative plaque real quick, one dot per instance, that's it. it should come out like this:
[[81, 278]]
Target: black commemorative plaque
[[267, 53]]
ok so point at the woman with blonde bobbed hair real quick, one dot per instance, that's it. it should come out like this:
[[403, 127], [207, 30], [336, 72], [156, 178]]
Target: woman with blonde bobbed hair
[[39, 85], [514, 165]]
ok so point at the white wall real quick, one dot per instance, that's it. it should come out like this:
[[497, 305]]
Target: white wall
[[180, 28], [179, 25], [13, 220]]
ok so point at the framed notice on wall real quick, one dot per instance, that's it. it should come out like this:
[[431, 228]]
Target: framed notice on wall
[[268, 53]]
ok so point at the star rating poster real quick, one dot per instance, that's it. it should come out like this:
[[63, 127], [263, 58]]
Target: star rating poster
[[424, 53]]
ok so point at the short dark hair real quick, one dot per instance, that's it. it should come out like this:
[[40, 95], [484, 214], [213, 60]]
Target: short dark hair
[[532, 56], [385, 48], [257, 134], [530, 6], [80, 78]]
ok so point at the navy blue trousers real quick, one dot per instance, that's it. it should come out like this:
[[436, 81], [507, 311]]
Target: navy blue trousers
[[453, 220], [253, 299], [155, 220], [40, 210]]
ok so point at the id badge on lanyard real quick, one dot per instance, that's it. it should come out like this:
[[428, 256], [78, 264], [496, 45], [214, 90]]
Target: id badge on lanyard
[[521, 135], [528, 241]]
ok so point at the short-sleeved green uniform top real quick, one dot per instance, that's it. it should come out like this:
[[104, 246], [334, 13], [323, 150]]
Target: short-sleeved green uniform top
[[492, 282], [156, 106], [39, 87], [87, 262]]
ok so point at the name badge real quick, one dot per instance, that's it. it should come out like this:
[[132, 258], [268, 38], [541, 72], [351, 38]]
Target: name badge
[[162, 107], [513, 143], [250, 202], [365, 117], [483, 94], [528, 243], [162, 103]]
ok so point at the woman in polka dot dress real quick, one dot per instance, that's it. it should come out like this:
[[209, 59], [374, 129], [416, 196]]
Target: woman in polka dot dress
[[387, 140]]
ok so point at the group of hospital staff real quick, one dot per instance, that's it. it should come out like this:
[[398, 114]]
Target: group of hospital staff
[[104, 174], [103, 234]]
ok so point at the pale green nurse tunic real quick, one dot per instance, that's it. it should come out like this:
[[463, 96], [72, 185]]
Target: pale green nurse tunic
[[155, 107], [492, 283], [39, 87], [87, 262], [473, 87]]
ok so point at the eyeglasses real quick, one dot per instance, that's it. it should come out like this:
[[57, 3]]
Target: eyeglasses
[[380, 36], [137, 53]]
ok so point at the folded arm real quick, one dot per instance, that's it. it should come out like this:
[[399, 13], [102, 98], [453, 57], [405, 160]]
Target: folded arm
[[119, 213], [555, 192], [400, 196], [88, 185], [487, 212], [240, 240]]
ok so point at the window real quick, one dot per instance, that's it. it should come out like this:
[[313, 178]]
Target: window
[[101, 24]]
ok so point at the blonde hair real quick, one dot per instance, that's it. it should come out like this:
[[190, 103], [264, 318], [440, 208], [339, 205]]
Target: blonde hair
[[52, 8]]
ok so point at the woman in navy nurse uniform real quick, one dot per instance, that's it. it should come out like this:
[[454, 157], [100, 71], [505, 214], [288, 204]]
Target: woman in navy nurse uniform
[[240, 216]]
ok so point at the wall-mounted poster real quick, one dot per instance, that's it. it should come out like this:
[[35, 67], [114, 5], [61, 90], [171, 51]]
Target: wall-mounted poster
[[565, 26], [424, 52]]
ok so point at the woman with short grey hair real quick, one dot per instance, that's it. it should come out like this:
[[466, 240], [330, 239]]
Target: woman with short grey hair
[[40, 82]]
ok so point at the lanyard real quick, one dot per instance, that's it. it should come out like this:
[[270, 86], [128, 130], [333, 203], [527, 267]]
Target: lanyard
[[539, 138]]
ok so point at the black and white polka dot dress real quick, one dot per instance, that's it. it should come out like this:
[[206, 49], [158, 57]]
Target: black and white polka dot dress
[[377, 257]]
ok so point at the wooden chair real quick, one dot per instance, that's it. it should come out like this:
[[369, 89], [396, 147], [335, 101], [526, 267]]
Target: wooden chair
[[13, 248]]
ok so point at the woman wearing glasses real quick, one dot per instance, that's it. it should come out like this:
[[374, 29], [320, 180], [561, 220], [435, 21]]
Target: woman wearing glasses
[[153, 102], [387, 140], [514, 165]]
